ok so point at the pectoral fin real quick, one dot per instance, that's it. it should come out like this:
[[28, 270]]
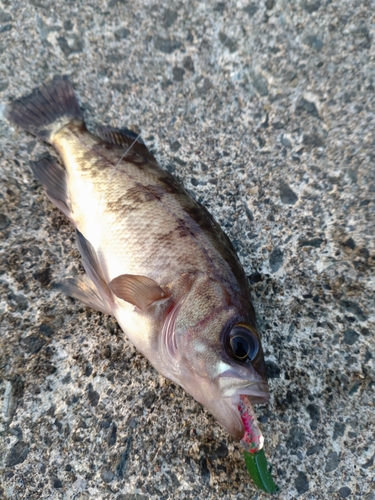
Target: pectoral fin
[[140, 291], [83, 289]]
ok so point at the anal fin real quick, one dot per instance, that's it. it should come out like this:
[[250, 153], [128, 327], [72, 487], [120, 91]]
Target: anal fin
[[83, 289], [53, 178]]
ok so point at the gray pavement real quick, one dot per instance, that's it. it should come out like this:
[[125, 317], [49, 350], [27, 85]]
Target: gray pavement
[[265, 110]]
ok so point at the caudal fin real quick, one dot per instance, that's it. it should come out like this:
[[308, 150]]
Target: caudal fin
[[47, 109]]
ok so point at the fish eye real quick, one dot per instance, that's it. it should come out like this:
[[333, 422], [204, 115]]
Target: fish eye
[[242, 343]]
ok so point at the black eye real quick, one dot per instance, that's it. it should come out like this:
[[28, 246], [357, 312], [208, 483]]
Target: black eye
[[242, 343]]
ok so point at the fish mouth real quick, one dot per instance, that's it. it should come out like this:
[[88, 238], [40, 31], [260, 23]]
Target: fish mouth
[[234, 387], [230, 415], [256, 393]]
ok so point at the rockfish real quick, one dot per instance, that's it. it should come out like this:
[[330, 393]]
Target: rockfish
[[154, 257]]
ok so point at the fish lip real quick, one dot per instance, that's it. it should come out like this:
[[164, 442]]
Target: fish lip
[[257, 392]]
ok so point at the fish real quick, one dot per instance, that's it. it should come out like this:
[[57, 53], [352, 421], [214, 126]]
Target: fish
[[154, 257]]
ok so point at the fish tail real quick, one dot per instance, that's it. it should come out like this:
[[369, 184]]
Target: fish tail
[[47, 109]]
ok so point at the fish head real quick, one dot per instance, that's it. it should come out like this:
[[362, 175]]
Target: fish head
[[216, 353]]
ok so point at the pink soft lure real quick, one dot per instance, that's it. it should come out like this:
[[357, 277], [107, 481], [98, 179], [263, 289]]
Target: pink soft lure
[[253, 439]]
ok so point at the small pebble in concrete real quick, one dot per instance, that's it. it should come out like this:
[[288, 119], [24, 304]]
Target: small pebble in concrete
[[350, 243], [332, 462], [296, 438], [107, 475], [178, 74], [276, 259], [4, 221], [287, 195], [350, 336], [344, 492], [222, 450], [17, 454], [301, 483]]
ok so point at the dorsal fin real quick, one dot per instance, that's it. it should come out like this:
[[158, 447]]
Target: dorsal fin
[[127, 139]]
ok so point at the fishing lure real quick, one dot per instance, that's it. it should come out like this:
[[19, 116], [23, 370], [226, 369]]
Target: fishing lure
[[259, 469]]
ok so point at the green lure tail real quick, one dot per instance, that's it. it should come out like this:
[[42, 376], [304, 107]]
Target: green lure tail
[[260, 471]]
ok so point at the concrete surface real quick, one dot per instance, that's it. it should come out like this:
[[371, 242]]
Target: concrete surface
[[265, 110]]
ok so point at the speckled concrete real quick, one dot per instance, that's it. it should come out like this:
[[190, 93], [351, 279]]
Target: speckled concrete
[[265, 111]]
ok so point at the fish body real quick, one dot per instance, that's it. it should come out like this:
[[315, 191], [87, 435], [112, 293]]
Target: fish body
[[154, 258]]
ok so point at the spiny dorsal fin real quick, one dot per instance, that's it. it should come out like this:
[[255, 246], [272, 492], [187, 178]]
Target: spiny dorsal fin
[[127, 139], [140, 291], [83, 289]]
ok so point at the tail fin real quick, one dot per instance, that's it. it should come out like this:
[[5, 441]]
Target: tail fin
[[47, 109]]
